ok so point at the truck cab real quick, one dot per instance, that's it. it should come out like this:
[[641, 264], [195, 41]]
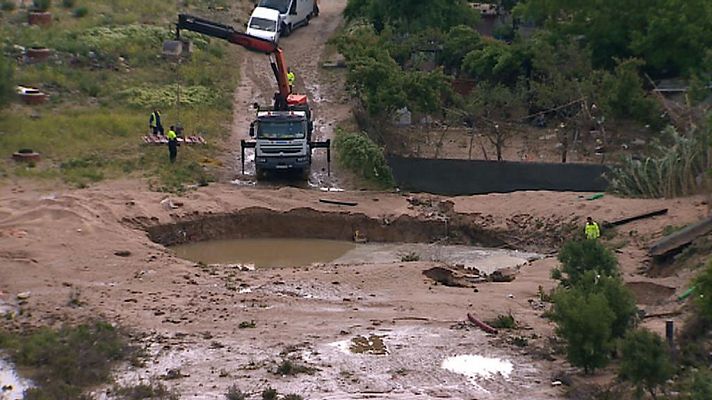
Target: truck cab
[[265, 23], [282, 140], [293, 13]]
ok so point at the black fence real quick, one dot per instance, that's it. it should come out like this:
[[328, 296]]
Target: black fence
[[464, 177]]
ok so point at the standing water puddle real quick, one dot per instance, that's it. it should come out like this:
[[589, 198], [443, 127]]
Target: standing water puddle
[[12, 387], [264, 253], [273, 253]]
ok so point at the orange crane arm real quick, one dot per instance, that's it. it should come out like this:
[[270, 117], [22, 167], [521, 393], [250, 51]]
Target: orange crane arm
[[228, 33]]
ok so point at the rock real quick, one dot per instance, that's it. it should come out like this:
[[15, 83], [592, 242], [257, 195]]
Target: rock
[[23, 295], [122, 253]]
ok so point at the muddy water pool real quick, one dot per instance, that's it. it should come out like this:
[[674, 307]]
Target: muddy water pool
[[273, 253], [264, 253]]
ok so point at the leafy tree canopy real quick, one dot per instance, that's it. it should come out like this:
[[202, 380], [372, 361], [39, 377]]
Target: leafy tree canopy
[[670, 35], [412, 15], [646, 361], [584, 320]]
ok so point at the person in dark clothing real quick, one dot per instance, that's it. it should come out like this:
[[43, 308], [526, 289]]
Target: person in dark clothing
[[172, 144], [154, 122]]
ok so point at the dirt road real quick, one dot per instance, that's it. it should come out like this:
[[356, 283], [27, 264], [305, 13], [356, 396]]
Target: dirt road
[[303, 50]]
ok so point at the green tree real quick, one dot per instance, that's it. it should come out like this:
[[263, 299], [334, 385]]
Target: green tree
[[497, 62], [7, 82], [459, 41], [698, 386], [670, 35], [623, 94], [412, 15], [584, 321], [646, 361], [704, 292], [620, 299], [579, 256]]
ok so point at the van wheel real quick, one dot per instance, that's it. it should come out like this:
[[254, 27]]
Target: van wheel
[[315, 12], [286, 30]]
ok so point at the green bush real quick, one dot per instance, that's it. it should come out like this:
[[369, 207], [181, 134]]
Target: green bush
[[361, 155], [66, 362], [620, 300], [584, 321], [697, 386], [68, 3], [703, 290], [80, 12], [41, 5], [672, 170], [269, 394], [7, 81], [646, 361], [579, 256], [8, 5], [234, 393]]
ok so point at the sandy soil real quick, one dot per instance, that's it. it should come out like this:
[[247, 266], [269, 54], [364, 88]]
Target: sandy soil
[[92, 246], [56, 243]]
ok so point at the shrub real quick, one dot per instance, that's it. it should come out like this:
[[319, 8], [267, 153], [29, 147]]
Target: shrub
[[579, 256], [697, 386], [41, 5], [80, 12], [704, 292], [151, 390], [66, 362], [360, 154], [7, 85], [269, 394], [620, 299], [410, 257], [234, 393], [503, 321], [584, 320], [289, 367], [8, 5], [293, 397], [68, 3], [646, 361], [672, 170]]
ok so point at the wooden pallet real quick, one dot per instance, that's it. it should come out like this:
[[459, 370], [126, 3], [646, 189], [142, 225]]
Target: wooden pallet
[[156, 139]]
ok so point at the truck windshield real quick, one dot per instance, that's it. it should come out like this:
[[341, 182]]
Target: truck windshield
[[280, 5], [276, 130], [263, 24]]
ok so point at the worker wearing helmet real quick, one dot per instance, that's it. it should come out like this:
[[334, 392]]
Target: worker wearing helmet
[[592, 230], [291, 78]]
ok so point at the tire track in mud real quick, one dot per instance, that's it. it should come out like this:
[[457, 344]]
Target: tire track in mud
[[303, 50]]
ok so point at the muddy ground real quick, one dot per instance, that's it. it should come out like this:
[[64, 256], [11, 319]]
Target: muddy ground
[[95, 244], [100, 253]]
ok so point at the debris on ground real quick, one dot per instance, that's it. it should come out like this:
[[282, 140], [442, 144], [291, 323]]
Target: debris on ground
[[450, 278]]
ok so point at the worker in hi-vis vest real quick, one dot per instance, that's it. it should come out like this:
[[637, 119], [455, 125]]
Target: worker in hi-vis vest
[[154, 122], [291, 78], [172, 144], [592, 230]]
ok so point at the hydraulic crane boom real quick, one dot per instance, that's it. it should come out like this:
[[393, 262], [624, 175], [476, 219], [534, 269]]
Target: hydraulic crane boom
[[283, 99]]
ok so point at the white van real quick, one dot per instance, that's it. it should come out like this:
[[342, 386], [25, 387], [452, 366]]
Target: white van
[[293, 13], [264, 23]]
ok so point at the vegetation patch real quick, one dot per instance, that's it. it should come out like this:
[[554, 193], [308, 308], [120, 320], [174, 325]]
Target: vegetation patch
[[361, 155], [168, 95], [65, 363]]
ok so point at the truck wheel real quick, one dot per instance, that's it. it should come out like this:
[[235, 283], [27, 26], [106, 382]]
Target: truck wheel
[[315, 12], [259, 173]]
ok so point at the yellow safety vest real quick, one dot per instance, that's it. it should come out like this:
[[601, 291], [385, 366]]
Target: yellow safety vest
[[291, 78], [171, 135], [592, 231], [154, 119]]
